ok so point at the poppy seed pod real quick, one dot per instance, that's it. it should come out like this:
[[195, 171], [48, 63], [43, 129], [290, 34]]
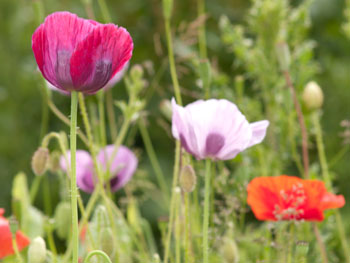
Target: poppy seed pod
[[37, 251], [63, 219], [188, 179], [40, 161], [229, 251], [313, 96]]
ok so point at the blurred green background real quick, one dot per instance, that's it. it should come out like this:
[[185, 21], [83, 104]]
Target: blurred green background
[[21, 100]]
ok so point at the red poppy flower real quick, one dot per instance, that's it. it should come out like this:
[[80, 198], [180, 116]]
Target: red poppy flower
[[290, 198], [79, 54], [6, 247]]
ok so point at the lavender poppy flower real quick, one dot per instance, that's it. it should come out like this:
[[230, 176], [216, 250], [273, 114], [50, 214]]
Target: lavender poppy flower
[[122, 167], [215, 129]]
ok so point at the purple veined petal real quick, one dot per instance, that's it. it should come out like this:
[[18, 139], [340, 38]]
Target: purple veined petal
[[213, 129], [123, 166], [117, 77], [182, 129], [259, 129], [84, 169]]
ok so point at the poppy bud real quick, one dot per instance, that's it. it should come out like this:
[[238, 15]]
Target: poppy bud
[[229, 251], [301, 251], [40, 161], [54, 163], [156, 258], [188, 179], [101, 216], [166, 110], [136, 72], [107, 241], [37, 251], [63, 219], [313, 96]]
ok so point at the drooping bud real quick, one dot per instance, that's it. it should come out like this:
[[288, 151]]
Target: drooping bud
[[107, 241], [63, 219], [40, 161], [188, 179], [313, 96], [37, 251], [166, 109], [283, 55], [156, 258], [136, 72], [54, 163], [229, 251]]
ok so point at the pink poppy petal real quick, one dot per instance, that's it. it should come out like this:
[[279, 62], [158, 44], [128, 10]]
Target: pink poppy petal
[[99, 57]]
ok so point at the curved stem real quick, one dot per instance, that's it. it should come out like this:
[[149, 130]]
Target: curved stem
[[206, 211], [15, 248], [301, 123], [97, 253], [172, 62], [153, 157], [74, 192], [320, 243], [111, 115]]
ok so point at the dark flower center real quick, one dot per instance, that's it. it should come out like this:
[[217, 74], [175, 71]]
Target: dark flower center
[[214, 143]]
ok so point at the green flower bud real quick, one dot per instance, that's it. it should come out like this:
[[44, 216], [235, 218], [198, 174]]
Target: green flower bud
[[188, 179], [313, 96], [63, 217], [166, 109], [136, 72], [40, 161], [107, 241], [54, 164], [229, 251], [37, 251]]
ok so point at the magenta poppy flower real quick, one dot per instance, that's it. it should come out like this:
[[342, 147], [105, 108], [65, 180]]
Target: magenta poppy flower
[[215, 129], [76, 54], [122, 168]]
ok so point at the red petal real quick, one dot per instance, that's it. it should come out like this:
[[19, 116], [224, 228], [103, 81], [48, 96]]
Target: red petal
[[6, 247], [330, 201], [53, 44], [99, 57]]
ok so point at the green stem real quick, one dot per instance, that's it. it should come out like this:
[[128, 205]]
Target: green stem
[[172, 62], [201, 36], [188, 256], [15, 248], [177, 225], [102, 119], [320, 243], [290, 243], [111, 115], [328, 181], [74, 202], [47, 196], [339, 155], [34, 188], [89, 208], [153, 157], [172, 200], [52, 245], [45, 113], [104, 10], [206, 211], [97, 253]]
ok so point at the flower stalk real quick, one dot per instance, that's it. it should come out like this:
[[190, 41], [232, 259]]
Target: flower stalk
[[74, 190], [206, 211]]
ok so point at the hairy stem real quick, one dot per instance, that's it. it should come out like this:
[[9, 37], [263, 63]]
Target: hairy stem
[[206, 211], [74, 190]]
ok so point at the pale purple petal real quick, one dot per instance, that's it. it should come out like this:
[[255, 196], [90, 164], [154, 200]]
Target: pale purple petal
[[259, 129], [123, 166], [212, 129]]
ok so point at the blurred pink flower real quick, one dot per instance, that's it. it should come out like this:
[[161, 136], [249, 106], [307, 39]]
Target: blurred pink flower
[[122, 168], [215, 129], [79, 54]]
